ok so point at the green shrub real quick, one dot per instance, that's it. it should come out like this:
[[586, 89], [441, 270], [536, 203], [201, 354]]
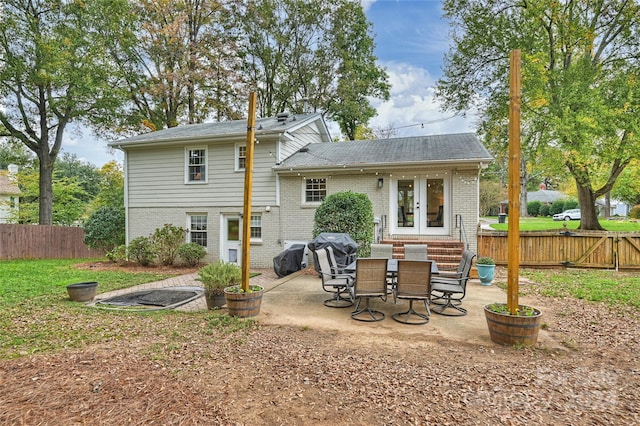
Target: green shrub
[[191, 253], [545, 210], [634, 213], [350, 213], [141, 250], [533, 208], [218, 275], [104, 229], [118, 254], [571, 204], [166, 241], [557, 207]]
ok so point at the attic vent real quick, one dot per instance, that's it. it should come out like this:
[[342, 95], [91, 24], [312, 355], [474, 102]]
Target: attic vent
[[282, 117], [304, 149]]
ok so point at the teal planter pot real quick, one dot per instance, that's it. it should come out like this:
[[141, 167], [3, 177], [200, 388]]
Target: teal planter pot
[[485, 273]]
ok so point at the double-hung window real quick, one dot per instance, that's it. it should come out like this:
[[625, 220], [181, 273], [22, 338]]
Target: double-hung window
[[315, 190], [256, 227], [241, 157], [196, 165], [198, 229]]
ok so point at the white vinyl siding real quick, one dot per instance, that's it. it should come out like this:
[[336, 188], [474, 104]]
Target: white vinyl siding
[[156, 178]]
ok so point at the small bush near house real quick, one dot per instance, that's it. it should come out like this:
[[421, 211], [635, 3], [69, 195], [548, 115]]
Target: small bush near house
[[118, 254], [191, 253], [105, 228], [141, 250], [634, 213], [533, 208], [545, 210], [571, 204], [166, 241], [350, 213]]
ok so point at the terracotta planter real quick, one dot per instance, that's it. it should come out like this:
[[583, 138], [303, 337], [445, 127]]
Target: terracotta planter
[[215, 301], [243, 305], [508, 329], [82, 292]]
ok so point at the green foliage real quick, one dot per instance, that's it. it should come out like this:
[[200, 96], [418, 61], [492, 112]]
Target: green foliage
[[557, 207], [571, 204], [634, 213], [228, 324], [104, 229], [166, 241], [141, 249], [521, 310], [111, 187], [218, 275], [485, 261], [545, 210], [118, 254], [350, 213], [548, 224], [533, 208], [491, 193], [579, 89], [70, 167], [191, 253]]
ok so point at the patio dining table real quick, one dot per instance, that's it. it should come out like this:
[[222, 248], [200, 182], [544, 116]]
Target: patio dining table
[[392, 267]]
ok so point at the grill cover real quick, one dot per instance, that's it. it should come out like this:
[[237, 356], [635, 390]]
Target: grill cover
[[344, 247], [288, 261]]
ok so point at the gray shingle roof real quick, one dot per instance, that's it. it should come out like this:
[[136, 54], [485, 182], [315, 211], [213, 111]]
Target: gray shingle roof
[[459, 147], [221, 128]]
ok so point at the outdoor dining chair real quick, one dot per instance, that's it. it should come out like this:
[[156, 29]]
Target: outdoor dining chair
[[448, 289], [371, 276], [413, 284], [382, 250], [334, 282], [415, 251]]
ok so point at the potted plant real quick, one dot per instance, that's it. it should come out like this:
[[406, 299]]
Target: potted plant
[[486, 268], [507, 329], [244, 303], [215, 277]]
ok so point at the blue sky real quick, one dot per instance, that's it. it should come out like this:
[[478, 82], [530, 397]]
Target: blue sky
[[411, 39]]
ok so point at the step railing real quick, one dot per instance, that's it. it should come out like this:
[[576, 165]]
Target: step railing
[[462, 231]]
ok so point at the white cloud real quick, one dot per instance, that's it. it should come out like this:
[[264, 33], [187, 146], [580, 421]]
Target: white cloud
[[412, 108]]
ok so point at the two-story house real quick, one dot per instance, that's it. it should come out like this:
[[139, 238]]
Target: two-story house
[[423, 187]]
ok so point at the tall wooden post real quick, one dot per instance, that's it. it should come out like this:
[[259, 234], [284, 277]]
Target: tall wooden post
[[513, 237], [248, 185]]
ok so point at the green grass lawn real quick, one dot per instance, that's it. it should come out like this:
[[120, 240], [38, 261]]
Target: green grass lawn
[[548, 224]]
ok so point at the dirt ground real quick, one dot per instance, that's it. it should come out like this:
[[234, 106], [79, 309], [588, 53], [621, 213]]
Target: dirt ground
[[178, 369]]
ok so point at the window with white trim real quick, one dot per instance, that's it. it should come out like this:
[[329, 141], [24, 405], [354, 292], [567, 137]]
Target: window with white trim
[[196, 164], [198, 229], [256, 227], [241, 157], [315, 190]]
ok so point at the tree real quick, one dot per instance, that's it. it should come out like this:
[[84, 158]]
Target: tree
[[627, 187], [105, 229], [179, 62], [300, 63], [70, 166], [54, 71], [581, 85], [111, 192], [13, 152], [68, 201]]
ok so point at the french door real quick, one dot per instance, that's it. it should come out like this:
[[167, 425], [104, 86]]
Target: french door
[[420, 205]]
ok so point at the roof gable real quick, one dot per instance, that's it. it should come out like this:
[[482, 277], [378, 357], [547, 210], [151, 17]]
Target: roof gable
[[460, 147], [229, 129]]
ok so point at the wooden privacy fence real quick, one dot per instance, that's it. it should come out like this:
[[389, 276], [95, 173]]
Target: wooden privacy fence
[[584, 249], [44, 242]]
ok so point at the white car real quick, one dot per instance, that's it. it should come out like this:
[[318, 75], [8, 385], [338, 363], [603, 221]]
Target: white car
[[573, 214]]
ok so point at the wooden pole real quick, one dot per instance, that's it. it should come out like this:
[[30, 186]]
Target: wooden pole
[[248, 184], [513, 237]]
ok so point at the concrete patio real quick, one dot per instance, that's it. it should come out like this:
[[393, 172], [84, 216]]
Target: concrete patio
[[297, 300]]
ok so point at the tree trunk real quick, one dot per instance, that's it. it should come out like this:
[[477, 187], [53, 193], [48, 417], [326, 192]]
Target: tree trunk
[[45, 201], [588, 212]]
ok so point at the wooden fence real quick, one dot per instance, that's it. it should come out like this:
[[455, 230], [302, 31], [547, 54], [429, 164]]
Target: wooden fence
[[584, 249], [44, 242]]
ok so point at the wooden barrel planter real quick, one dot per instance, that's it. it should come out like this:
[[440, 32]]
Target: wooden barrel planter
[[243, 305], [82, 292], [507, 329]]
